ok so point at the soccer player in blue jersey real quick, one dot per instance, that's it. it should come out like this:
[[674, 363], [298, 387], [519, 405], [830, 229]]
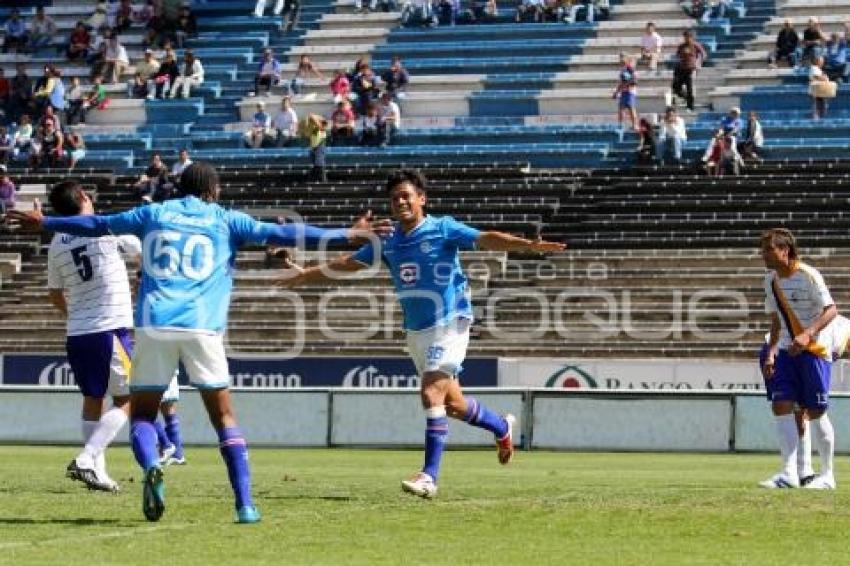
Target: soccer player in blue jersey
[[188, 254], [422, 256]]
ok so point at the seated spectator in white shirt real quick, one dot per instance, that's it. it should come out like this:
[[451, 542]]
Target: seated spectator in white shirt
[[42, 29], [285, 123], [389, 118], [651, 45], [191, 75], [370, 133], [672, 136]]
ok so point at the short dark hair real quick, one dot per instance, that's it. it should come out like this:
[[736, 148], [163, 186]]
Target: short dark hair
[[66, 198], [199, 179], [780, 238], [411, 176]]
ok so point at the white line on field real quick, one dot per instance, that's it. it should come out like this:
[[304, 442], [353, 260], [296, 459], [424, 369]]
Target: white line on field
[[123, 533]]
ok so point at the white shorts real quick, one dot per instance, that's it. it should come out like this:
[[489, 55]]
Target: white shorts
[[158, 351], [440, 348], [172, 394]]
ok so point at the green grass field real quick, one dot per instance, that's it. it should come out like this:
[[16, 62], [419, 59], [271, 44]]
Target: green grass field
[[345, 507]]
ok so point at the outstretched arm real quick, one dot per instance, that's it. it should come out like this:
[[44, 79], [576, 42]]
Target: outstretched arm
[[297, 276], [502, 242]]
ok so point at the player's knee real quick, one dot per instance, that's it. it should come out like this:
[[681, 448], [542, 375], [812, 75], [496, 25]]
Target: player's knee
[[456, 408], [431, 397], [782, 408], [815, 414]]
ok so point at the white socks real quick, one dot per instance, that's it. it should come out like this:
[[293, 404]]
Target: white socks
[[107, 429], [824, 437], [786, 430], [804, 453]]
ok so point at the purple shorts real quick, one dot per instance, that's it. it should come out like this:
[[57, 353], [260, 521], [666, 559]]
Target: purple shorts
[[803, 379], [628, 100], [101, 362]]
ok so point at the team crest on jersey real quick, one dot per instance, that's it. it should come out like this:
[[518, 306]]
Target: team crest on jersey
[[408, 273], [425, 247]]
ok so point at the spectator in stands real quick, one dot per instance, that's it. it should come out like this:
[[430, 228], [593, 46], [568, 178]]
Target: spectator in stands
[[145, 13], [75, 149], [418, 13], [74, 102], [138, 87], [651, 45], [342, 124], [672, 136], [260, 8], [42, 29], [447, 11], [314, 129], [123, 16], [340, 87], [260, 127], [96, 98], [389, 119], [813, 40], [370, 135], [787, 42], [154, 177], [835, 54], [7, 145], [529, 11], [750, 147], [722, 157], [16, 33], [304, 70], [50, 115], [290, 15], [187, 26], [365, 88], [97, 53], [48, 148], [191, 75], [183, 161], [715, 9], [646, 149], [592, 10], [97, 20], [268, 73], [115, 59], [285, 123], [21, 97], [79, 43], [689, 55], [694, 8], [7, 191], [626, 92], [51, 92], [731, 123], [395, 79], [147, 69], [5, 95], [166, 75], [155, 30], [23, 137], [484, 11], [820, 88]]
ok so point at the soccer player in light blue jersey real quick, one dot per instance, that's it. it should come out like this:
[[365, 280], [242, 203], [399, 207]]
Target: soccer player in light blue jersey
[[422, 256], [188, 254]]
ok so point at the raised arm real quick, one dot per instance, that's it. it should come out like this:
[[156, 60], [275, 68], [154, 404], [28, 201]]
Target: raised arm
[[296, 276], [502, 242]]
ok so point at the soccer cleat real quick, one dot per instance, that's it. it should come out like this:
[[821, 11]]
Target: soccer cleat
[[174, 461], [806, 479], [506, 443], [780, 481], [420, 484], [153, 494], [90, 476], [821, 482], [247, 514], [166, 454]]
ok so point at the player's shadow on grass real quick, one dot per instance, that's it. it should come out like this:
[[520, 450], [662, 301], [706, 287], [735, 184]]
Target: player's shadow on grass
[[80, 521], [309, 497]]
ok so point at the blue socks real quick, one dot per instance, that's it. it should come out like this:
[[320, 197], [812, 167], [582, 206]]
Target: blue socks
[[482, 417], [172, 431], [144, 441], [436, 432], [234, 451], [161, 436]]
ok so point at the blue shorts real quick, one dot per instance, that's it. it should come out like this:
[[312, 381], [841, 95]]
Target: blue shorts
[[803, 379], [101, 362], [628, 99]]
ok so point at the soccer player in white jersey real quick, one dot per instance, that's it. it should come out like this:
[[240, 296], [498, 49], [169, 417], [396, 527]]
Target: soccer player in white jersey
[[798, 363], [188, 253], [87, 281], [422, 256]]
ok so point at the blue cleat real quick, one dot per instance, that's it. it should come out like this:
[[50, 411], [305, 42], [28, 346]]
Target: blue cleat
[[153, 494], [247, 514]]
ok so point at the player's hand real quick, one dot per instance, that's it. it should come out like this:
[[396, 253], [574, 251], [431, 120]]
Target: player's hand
[[31, 220], [543, 246], [366, 225], [769, 367], [799, 344], [291, 276]]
